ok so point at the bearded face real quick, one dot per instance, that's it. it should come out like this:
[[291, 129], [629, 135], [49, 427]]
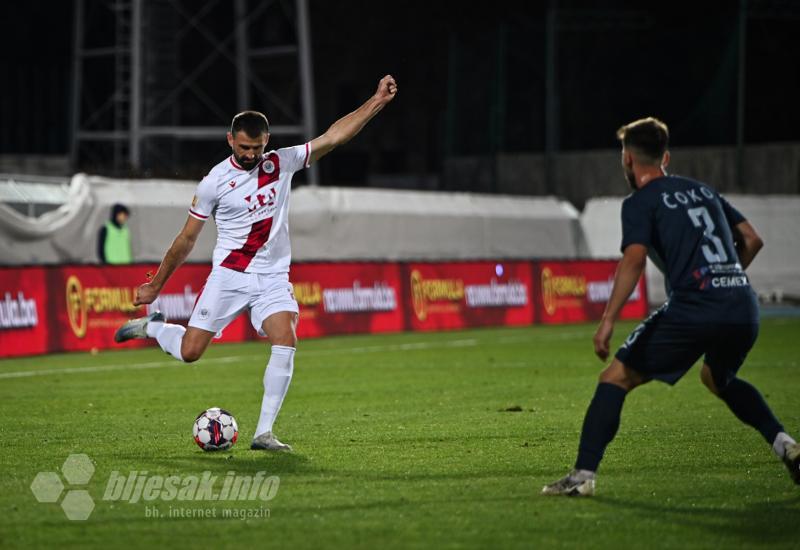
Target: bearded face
[[247, 150]]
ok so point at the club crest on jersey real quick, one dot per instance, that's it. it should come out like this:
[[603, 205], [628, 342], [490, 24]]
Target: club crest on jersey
[[268, 166]]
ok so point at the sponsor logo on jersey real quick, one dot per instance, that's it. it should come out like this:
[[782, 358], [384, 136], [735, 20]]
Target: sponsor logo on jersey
[[260, 200], [720, 276], [194, 201], [729, 282]]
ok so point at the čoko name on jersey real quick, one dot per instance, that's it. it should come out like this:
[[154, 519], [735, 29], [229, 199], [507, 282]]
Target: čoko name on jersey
[[690, 196]]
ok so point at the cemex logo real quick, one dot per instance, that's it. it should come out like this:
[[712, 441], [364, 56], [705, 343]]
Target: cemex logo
[[77, 503]]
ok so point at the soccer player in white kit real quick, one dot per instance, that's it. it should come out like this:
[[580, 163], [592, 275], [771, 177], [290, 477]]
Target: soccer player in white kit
[[248, 195]]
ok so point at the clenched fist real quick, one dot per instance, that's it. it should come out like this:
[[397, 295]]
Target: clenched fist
[[387, 89]]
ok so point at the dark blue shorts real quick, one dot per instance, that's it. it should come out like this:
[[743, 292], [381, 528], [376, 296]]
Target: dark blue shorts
[[664, 348]]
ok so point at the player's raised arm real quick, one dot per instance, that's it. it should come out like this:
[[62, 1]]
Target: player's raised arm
[[344, 129], [175, 256]]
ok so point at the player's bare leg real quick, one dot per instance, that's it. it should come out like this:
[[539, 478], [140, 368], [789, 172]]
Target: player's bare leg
[[599, 428], [194, 343], [280, 329], [746, 402]]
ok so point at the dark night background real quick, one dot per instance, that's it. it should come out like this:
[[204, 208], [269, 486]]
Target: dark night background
[[471, 77]]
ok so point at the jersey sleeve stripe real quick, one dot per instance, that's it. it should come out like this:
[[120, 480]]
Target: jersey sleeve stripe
[[198, 216]]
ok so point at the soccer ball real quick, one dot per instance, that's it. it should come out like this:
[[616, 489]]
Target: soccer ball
[[215, 430]]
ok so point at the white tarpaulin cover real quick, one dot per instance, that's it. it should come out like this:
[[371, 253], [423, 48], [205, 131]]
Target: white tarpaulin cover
[[69, 233], [336, 224], [326, 224], [340, 223], [776, 269]]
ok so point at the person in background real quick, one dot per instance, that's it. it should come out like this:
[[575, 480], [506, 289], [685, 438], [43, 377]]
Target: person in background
[[114, 238]]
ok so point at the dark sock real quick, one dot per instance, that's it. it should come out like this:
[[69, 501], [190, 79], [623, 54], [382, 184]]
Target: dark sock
[[600, 425], [749, 406]]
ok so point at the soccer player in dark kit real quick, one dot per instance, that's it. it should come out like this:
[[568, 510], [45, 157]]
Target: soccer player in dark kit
[[703, 245]]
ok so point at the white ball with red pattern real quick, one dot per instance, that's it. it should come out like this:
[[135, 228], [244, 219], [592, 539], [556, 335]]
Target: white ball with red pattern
[[215, 430]]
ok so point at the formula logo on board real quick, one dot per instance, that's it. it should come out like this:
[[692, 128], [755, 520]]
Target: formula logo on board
[[561, 290], [82, 302], [425, 291]]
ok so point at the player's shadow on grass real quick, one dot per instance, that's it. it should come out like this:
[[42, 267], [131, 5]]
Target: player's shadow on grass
[[766, 522], [274, 463], [430, 477], [392, 503], [403, 441]]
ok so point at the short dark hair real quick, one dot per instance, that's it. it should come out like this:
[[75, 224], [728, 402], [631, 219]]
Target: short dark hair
[[119, 208], [252, 123], [646, 137]]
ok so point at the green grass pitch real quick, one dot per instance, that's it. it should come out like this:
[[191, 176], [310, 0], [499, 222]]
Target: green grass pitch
[[408, 440]]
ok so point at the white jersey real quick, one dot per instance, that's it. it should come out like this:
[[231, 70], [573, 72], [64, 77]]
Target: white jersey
[[251, 210]]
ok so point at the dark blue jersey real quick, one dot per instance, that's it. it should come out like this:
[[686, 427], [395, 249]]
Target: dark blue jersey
[[687, 228]]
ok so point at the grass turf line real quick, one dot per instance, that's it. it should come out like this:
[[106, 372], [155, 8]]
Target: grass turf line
[[404, 441]]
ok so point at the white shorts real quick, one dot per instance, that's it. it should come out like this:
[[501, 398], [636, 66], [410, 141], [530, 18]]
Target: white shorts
[[227, 293]]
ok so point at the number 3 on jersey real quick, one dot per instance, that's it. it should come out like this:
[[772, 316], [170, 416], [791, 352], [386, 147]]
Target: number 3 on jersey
[[701, 218]]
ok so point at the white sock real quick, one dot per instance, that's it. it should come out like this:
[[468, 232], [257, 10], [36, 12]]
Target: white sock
[[276, 384], [782, 440], [583, 475], [169, 337]]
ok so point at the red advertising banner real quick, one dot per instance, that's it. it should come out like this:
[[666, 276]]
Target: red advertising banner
[[576, 291], [468, 294], [23, 320], [348, 298], [52, 309], [88, 304]]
